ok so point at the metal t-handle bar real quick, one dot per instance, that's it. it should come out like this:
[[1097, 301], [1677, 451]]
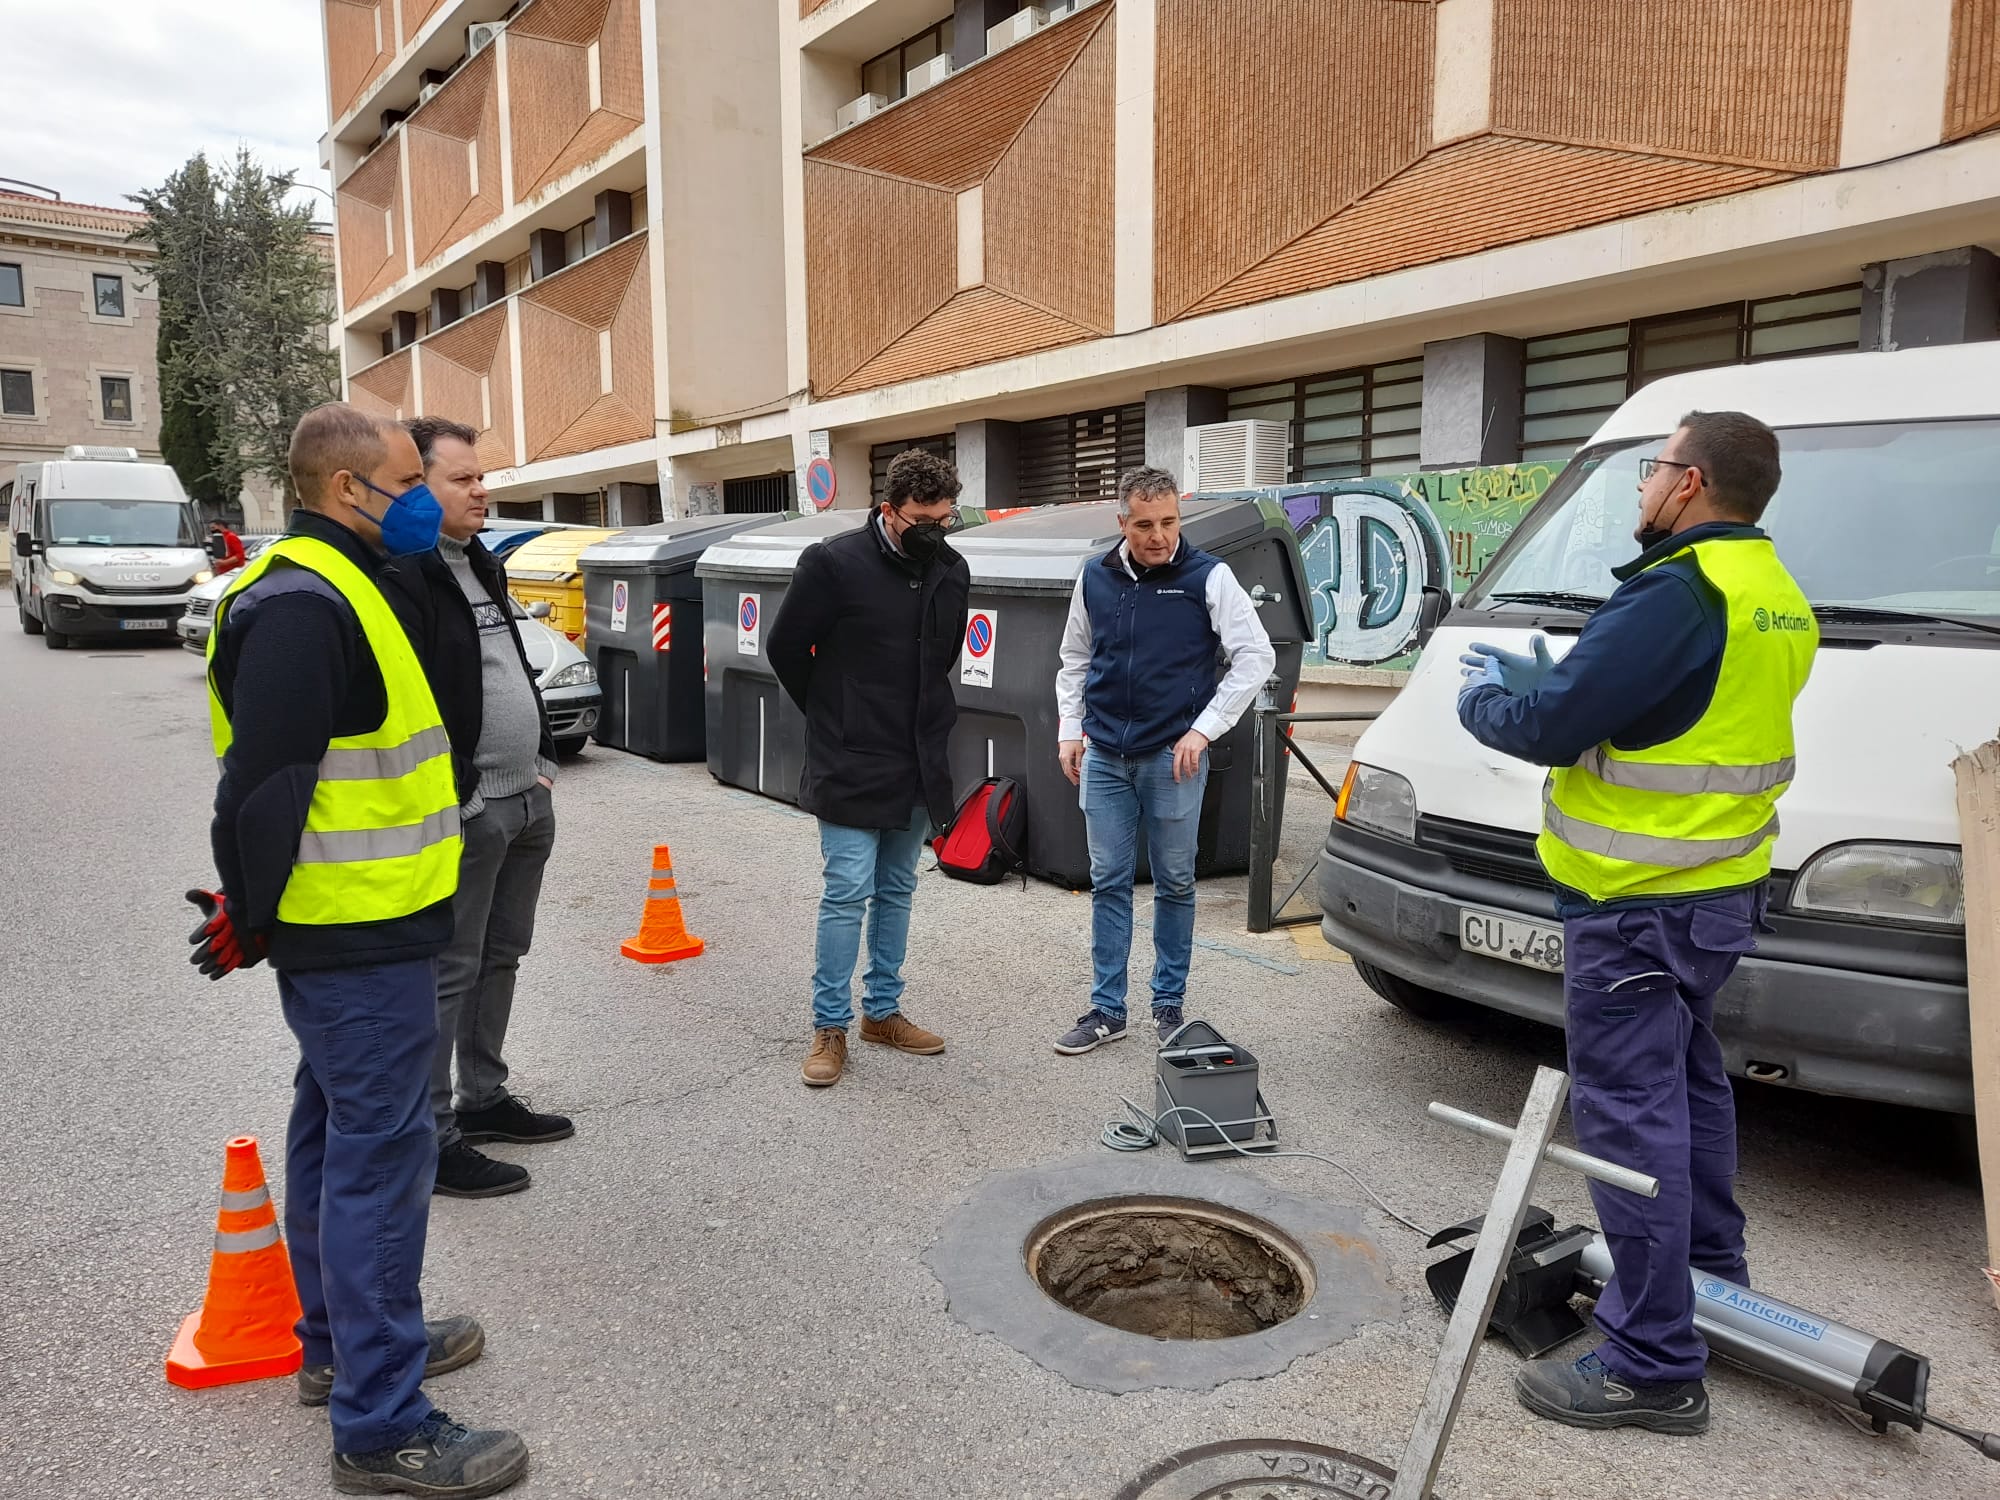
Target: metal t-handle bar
[[1608, 1172]]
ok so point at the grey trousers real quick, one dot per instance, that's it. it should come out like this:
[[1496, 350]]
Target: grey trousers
[[499, 884]]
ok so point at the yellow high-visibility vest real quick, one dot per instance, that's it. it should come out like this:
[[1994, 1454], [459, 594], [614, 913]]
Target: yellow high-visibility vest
[[1699, 812], [381, 839]]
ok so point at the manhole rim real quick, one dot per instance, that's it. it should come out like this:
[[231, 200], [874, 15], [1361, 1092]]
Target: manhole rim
[[1206, 1210]]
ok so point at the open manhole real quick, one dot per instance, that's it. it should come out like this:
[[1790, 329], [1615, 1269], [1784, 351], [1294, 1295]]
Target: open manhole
[[1170, 1268]]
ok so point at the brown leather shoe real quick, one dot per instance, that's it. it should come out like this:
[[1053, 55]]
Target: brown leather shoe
[[899, 1031], [827, 1058]]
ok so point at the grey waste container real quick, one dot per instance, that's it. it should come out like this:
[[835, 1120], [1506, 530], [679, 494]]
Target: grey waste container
[[642, 612], [1024, 569], [756, 734]]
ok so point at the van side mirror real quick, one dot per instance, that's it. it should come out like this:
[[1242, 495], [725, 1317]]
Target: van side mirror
[[25, 544], [540, 610], [1431, 613]]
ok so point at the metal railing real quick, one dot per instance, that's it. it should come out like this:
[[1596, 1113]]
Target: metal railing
[[1268, 780]]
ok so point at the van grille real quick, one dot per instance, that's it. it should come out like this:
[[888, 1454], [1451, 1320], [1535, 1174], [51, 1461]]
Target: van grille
[[1484, 853]]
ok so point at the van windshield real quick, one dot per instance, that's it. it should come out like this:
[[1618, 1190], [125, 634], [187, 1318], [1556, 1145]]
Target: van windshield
[[1901, 516], [120, 523]]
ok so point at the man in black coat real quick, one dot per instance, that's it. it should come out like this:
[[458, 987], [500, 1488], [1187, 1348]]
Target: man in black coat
[[864, 644]]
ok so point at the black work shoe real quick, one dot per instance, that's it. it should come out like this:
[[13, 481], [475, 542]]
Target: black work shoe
[[1587, 1394], [440, 1459], [455, 1343], [466, 1173], [511, 1120]]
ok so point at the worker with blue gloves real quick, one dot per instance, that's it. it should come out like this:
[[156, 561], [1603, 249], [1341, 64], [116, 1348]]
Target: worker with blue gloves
[[1668, 726]]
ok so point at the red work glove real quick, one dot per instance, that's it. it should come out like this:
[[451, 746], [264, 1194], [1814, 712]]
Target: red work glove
[[219, 948]]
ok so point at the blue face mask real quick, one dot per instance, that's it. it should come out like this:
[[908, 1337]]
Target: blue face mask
[[412, 521]]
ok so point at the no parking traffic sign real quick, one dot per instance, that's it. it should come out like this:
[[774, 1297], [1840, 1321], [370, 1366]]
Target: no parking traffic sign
[[822, 485]]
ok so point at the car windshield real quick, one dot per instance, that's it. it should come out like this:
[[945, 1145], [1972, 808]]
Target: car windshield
[[1901, 516], [120, 523]]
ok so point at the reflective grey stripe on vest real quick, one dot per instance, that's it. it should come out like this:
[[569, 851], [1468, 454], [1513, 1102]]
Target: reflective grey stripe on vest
[[237, 1203], [1645, 849], [351, 846], [388, 763], [1646, 776], [247, 1239]]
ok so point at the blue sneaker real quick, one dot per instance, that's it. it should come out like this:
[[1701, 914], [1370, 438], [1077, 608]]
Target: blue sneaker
[[1168, 1019], [1090, 1032]]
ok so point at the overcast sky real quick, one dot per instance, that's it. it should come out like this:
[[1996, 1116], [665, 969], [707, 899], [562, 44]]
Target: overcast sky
[[104, 97]]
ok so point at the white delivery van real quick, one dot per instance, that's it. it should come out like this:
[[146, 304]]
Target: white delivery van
[[1889, 517], [100, 544]]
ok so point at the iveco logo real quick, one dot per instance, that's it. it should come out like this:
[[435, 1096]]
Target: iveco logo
[[140, 577]]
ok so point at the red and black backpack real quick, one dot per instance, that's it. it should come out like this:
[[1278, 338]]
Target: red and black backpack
[[988, 834]]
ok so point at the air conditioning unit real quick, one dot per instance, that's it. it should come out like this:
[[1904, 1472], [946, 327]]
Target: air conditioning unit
[[481, 36], [854, 111], [923, 75], [424, 94], [1238, 455], [1018, 27]]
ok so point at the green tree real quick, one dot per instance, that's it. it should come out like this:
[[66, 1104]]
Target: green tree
[[246, 296]]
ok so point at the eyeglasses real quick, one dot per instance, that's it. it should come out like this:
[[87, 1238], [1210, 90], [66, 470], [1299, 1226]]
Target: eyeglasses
[[1648, 467]]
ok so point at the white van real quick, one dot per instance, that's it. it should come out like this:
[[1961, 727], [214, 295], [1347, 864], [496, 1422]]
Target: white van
[[100, 544], [1889, 517]]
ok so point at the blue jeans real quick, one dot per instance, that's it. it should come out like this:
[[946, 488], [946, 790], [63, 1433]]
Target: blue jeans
[[1651, 1093], [871, 870], [360, 1160], [1118, 794]]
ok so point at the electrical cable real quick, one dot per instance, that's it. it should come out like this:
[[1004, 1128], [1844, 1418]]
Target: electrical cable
[[1126, 1135]]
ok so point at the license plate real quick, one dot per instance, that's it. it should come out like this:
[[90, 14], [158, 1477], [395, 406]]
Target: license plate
[[1511, 940], [144, 624]]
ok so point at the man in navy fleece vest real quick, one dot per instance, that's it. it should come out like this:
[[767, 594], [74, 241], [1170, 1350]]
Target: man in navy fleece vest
[[1149, 625]]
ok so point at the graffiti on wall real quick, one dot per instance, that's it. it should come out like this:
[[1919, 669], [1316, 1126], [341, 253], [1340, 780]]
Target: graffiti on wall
[[1372, 545]]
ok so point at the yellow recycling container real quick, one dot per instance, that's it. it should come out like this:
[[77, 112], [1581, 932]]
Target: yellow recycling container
[[544, 570]]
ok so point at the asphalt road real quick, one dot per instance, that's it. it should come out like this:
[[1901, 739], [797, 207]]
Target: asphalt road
[[717, 1288]]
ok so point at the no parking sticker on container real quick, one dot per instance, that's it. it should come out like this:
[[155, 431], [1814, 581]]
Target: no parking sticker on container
[[621, 599], [982, 637], [749, 624]]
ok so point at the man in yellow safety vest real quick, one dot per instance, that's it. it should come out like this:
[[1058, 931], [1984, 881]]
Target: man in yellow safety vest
[[336, 837], [1669, 728]]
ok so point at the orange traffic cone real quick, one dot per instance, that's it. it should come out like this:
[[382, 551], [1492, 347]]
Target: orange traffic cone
[[663, 935], [244, 1328]]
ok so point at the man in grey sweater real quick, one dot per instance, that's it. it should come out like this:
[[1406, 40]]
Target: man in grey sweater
[[506, 767]]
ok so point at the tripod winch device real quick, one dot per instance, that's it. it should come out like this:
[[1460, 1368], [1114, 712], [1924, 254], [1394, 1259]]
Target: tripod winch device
[[1885, 1382]]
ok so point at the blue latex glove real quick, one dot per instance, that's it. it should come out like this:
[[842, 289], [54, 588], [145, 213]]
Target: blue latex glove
[[1519, 675]]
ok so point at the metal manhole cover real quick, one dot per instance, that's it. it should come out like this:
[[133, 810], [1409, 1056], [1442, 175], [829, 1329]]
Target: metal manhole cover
[[1262, 1469]]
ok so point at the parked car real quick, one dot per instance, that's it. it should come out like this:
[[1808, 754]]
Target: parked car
[[194, 624], [570, 691], [1889, 519]]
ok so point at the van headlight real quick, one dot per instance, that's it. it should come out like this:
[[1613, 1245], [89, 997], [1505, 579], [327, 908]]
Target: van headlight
[[576, 674], [1379, 801], [204, 576], [64, 577], [1919, 885]]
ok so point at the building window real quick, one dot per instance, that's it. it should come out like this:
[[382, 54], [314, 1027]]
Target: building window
[[945, 446], [110, 295], [1573, 381], [17, 393], [117, 392], [580, 240], [888, 73], [13, 291], [1079, 457], [1343, 425]]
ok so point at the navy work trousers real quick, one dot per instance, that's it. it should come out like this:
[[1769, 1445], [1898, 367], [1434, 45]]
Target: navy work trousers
[[360, 1160], [1650, 1093]]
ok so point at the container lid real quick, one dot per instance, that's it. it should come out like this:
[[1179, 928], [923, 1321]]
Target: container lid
[[773, 551], [1047, 547], [669, 546], [553, 553]]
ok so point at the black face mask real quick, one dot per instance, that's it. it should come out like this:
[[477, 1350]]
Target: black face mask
[[921, 541]]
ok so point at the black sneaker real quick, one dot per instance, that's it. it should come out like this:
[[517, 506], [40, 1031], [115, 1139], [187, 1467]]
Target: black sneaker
[[511, 1120], [1168, 1019], [1091, 1031], [1587, 1394], [440, 1459], [464, 1172], [455, 1343]]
